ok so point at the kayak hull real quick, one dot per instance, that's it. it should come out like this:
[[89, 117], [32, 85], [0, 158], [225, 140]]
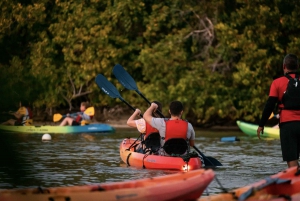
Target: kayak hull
[[273, 188], [91, 128], [250, 129], [178, 186], [140, 160]]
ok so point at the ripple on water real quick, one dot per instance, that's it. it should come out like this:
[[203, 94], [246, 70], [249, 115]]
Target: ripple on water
[[79, 159]]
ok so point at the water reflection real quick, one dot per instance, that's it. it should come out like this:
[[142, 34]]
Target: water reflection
[[78, 159]]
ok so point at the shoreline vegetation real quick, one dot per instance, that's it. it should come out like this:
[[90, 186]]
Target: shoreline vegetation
[[217, 57], [116, 117]]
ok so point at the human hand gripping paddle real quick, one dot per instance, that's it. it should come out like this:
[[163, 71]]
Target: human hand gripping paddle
[[128, 82], [89, 111]]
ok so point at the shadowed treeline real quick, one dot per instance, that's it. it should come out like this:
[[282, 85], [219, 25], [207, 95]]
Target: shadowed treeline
[[217, 57]]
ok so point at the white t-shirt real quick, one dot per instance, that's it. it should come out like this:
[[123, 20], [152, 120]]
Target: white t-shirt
[[85, 117], [141, 125]]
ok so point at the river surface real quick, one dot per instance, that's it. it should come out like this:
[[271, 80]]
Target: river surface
[[79, 159]]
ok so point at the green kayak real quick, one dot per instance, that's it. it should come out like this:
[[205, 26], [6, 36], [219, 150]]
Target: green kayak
[[250, 129], [91, 128]]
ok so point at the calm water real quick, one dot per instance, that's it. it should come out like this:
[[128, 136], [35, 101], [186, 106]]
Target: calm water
[[78, 159]]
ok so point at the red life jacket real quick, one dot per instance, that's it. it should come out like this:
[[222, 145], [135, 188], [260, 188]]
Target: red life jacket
[[149, 130], [176, 129], [78, 118], [29, 112]]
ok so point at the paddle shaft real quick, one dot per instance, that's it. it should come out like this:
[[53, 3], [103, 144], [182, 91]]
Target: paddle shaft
[[158, 111], [129, 105]]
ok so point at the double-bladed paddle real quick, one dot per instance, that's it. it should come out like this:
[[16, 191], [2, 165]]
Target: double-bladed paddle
[[108, 88], [89, 111], [128, 82]]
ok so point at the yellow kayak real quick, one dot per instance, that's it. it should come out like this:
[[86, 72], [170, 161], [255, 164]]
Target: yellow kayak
[[250, 129]]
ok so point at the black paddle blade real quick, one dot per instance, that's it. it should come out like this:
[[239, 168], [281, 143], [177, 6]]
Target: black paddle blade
[[124, 78], [210, 161], [107, 87], [128, 82]]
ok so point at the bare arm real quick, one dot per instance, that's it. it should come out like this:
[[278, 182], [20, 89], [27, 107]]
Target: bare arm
[[18, 115], [131, 119], [148, 114], [192, 143]]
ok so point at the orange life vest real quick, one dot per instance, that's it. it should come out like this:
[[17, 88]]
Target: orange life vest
[[26, 119], [149, 130], [176, 129], [29, 112]]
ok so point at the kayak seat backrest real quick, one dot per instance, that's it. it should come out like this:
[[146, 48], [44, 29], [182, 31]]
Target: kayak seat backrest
[[152, 142], [176, 146]]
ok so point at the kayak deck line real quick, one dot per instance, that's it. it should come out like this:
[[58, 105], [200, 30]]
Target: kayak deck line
[[91, 128]]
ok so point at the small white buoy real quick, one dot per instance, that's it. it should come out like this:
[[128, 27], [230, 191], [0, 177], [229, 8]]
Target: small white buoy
[[46, 137]]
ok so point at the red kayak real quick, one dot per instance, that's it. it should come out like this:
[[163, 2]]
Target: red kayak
[[282, 186], [178, 186], [139, 160]]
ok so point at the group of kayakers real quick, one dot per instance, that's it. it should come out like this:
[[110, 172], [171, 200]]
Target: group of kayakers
[[158, 132], [175, 136], [24, 116]]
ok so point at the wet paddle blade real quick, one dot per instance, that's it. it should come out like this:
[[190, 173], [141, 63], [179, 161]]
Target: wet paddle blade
[[57, 117], [90, 111], [208, 161], [124, 77], [107, 87], [271, 116]]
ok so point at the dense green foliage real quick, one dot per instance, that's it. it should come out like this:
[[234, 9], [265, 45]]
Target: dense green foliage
[[218, 57]]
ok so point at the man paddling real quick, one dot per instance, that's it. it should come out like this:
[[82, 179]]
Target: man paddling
[[171, 129]]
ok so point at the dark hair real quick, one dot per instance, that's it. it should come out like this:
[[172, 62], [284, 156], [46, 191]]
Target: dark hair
[[25, 103], [159, 107], [85, 104], [175, 108], [291, 62]]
